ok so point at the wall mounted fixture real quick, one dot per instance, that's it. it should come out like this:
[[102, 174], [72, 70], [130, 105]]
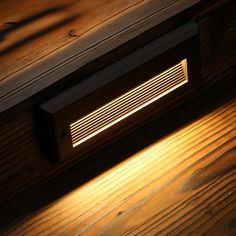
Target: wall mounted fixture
[[128, 103], [122, 94]]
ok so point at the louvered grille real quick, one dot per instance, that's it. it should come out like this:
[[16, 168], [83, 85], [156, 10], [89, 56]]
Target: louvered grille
[[129, 103]]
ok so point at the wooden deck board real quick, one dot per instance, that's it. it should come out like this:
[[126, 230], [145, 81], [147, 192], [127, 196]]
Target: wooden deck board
[[182, 184], [66, 35]]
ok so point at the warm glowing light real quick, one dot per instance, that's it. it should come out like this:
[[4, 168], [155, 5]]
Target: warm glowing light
[[129, 103], [150, 183]]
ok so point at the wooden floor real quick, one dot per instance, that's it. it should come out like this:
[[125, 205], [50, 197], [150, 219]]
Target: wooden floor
[[175, 179], [183, 184]]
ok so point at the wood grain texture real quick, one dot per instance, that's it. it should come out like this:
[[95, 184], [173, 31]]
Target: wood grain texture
[[199, 170], [22, 161], [217, 40], [180, 185], [66, 36]]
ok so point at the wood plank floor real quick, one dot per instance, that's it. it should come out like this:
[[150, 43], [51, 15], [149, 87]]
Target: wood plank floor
[[183, 184]]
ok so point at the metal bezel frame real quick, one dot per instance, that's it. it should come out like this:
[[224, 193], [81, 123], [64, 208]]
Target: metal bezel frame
[[155, 57]]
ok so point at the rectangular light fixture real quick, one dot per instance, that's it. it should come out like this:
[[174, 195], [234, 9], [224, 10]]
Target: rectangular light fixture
[[95, 110], [128, 103]]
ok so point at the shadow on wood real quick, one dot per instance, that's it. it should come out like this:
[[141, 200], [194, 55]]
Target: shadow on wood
[[14, 26]]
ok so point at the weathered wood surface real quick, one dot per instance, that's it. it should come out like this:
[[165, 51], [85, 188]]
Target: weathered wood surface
[[182, 184], [42, 41], [21, 154], [28, 182]]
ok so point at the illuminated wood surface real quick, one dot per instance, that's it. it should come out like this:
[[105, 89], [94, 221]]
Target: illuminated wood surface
[[187, 185], [182, 184], [43, 41]]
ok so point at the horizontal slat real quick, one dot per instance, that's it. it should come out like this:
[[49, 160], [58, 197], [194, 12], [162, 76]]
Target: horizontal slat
[[129, 103], [121, 101]]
